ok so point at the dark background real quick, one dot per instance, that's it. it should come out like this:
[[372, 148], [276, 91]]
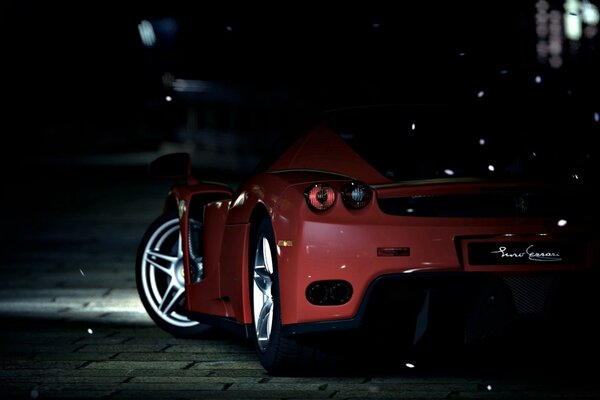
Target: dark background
[[79, 83], [84, 110]]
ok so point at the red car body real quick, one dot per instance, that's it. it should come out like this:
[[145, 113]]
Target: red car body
[[466, 244]]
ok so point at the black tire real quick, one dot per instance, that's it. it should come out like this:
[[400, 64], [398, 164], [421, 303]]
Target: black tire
[[278, 354], [159, 270]]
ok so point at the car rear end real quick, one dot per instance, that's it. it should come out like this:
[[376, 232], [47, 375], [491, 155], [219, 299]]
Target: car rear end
[[477, 225], [458, 259]]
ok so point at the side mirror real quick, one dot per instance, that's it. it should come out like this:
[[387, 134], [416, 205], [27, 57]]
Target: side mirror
[[172, 166]]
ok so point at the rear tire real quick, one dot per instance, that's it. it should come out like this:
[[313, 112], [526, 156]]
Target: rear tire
[[278, 354]]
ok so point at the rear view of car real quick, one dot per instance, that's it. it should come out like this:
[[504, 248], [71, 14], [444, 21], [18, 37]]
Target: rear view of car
[[460, 225], [405, 227]]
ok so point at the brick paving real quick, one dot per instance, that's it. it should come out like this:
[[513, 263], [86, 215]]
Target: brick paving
[[73, 327]]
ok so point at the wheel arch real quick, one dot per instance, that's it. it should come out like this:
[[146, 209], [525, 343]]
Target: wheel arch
[[258, 213]]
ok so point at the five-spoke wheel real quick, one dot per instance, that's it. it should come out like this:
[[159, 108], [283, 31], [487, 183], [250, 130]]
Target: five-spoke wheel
[[160, 277], [262, 295], [277, 353]]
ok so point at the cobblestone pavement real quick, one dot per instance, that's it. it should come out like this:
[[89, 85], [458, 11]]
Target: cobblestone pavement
[[73, 326]]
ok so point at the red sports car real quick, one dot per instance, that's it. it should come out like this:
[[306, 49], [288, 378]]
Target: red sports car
[[410, 215]]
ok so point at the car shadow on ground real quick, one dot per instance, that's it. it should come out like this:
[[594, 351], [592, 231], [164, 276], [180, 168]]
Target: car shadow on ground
[[537, 354]]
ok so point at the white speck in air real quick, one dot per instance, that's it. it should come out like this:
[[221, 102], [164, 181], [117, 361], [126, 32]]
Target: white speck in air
[[147, 35], [538, 79], [168, 98], [229, 28], [482, 141], [575, 176], [535, 155], [462, 54], [489, 388], [80, 270], [413, 126], [410, 210], [449, 172], [376, 25], [480, 94], [491, 168], [409, 365], [503, 71], [562, 222], [90, 331], [597, 116]]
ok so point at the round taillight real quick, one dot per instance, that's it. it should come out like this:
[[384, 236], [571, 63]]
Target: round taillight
[[356, 194], [319, 196]]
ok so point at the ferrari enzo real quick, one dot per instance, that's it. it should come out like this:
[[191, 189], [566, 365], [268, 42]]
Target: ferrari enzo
[[417, 221]]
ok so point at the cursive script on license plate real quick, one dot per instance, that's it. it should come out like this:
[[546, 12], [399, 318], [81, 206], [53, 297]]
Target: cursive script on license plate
[[517, 253]]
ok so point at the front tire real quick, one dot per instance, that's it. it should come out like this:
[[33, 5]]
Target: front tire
[[160, 277]]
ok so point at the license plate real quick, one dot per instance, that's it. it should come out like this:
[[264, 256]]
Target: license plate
[[525, 253]]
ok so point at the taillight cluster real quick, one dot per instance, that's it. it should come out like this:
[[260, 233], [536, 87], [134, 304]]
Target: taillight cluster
[[356, 195], [321, 196]]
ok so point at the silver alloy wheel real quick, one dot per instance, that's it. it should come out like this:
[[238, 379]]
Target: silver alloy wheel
[[261, 292], [162, 274]]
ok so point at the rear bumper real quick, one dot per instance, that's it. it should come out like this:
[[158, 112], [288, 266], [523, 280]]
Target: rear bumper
[[466, 306]]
